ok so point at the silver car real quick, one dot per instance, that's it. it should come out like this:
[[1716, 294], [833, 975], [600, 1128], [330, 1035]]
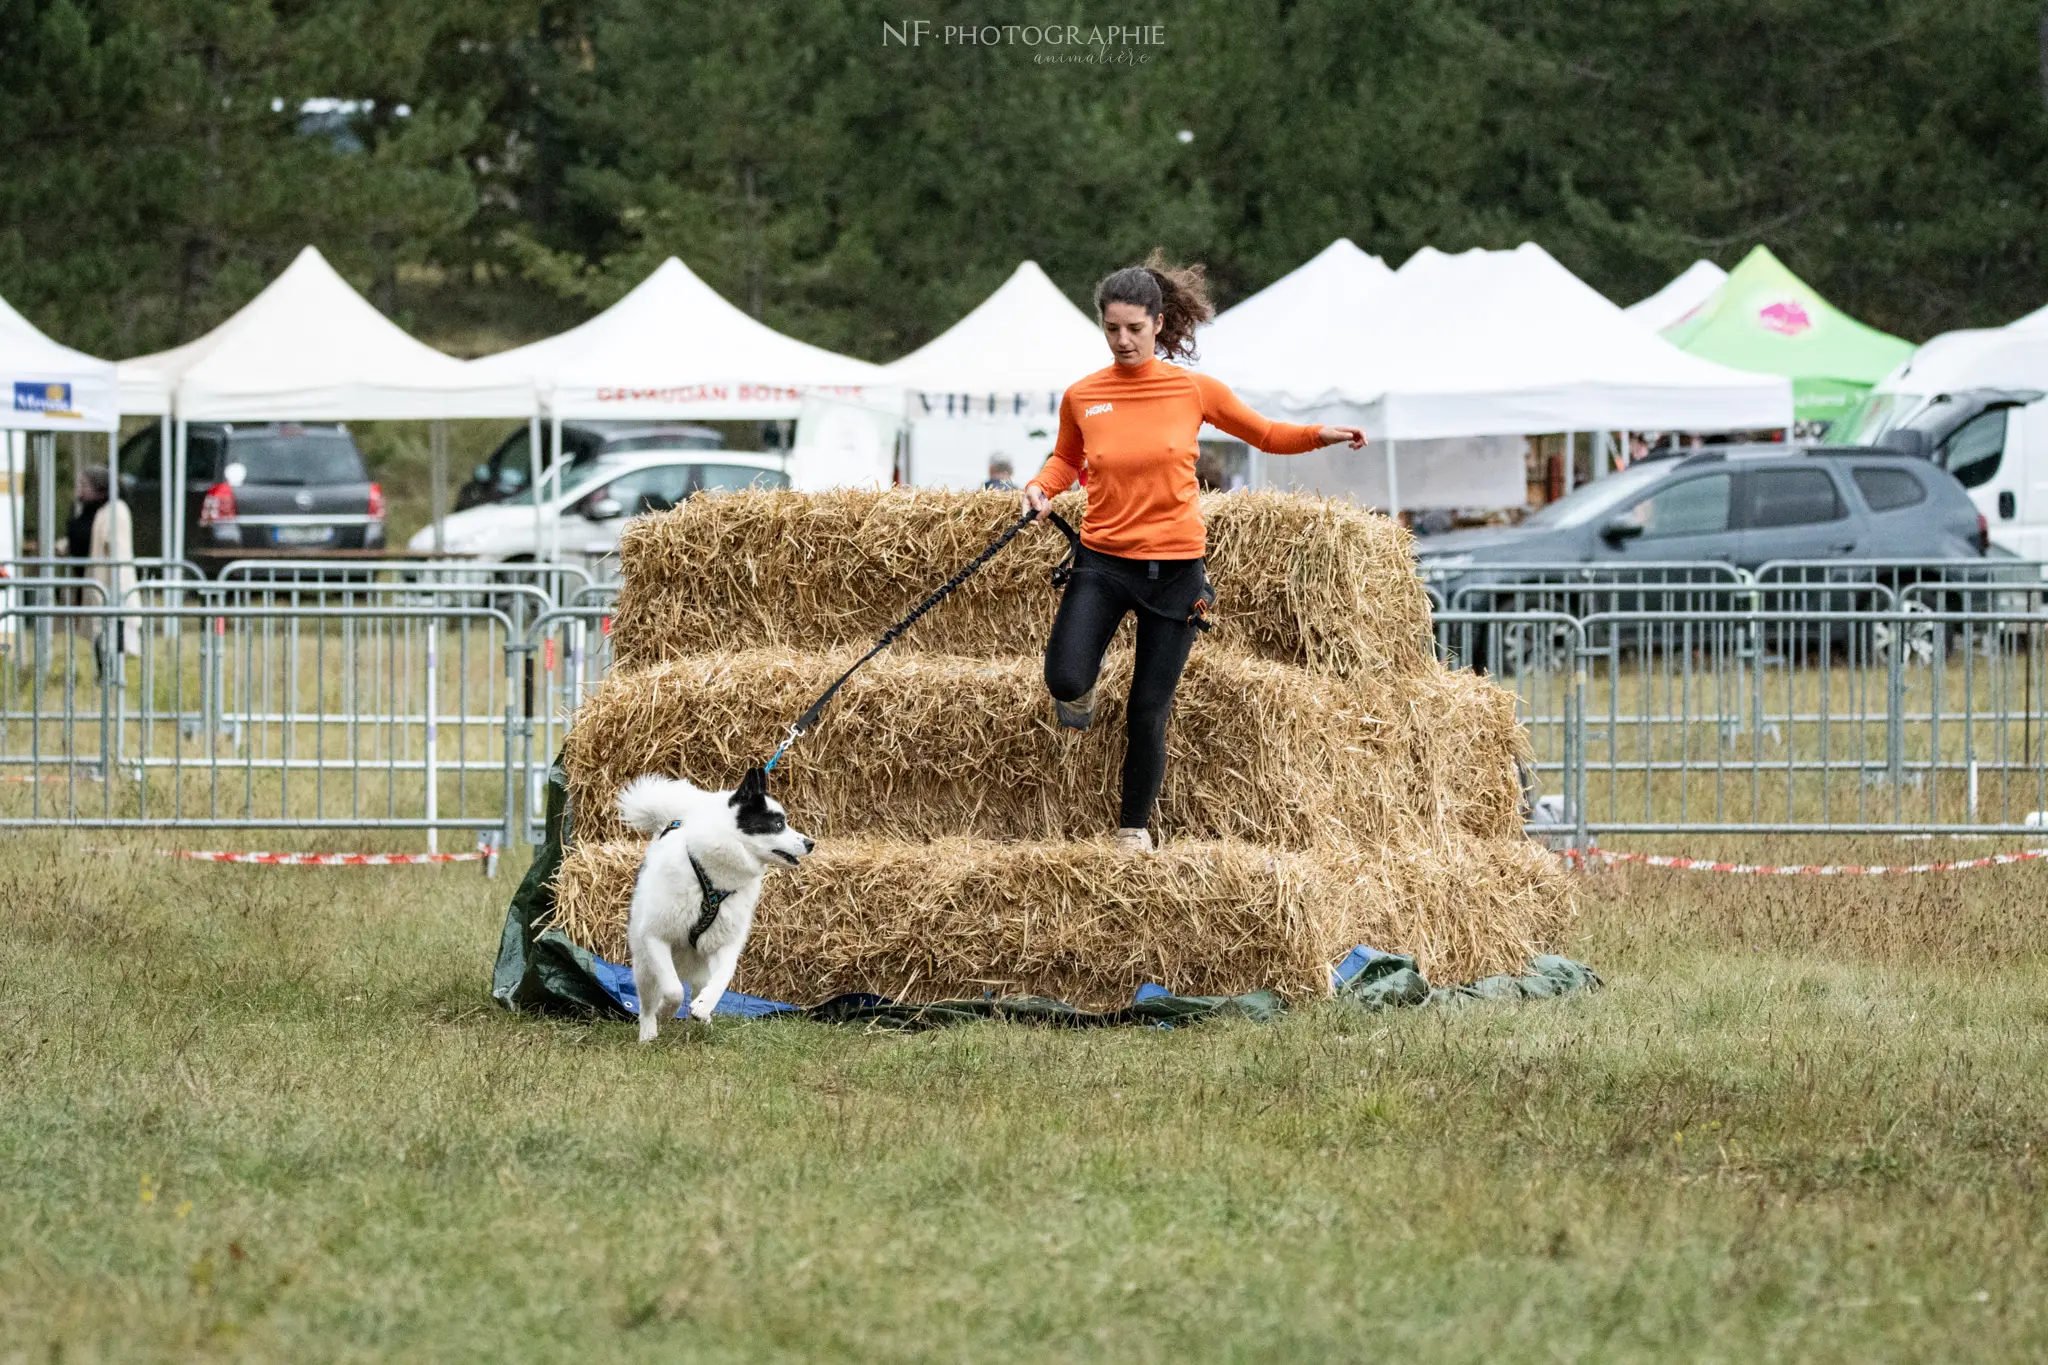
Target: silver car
[[584, 519]]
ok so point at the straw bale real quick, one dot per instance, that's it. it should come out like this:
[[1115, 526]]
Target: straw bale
[[1314, 582], [922, 745], [1460, 739], [1465, 907], [1080, 922]]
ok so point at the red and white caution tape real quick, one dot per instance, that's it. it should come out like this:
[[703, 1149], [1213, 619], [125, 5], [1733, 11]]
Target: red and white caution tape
[[328, 859], [1806, 869]]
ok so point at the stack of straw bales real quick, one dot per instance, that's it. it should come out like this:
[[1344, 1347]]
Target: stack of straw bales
[[1329, 782]]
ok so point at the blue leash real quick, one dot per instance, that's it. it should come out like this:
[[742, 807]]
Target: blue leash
[[1060, 575]]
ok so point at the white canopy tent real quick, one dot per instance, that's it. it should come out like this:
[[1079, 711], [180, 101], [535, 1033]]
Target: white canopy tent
[[51, 387], [991, 383], [1295, 321], [1692, 287], [308, 348], [673, 348], [1301, 320], [48, 387], [2036, 320], [1494, 343]]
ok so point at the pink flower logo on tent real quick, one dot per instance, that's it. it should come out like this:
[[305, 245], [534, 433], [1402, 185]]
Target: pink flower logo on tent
[[1785, 317]]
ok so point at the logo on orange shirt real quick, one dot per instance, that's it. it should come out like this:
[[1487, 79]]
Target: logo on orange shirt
[[1099, 407]]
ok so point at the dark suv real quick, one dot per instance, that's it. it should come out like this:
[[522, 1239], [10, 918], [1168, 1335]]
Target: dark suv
[[1742, 507], [257, 489], [1654, 538], [506, 473]]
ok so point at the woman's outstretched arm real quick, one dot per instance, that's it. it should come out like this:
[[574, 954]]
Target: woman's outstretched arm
[[1225, 411]]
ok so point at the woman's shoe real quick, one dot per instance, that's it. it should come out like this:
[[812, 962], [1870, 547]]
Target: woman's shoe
[[1134, 840], [1077, 714]]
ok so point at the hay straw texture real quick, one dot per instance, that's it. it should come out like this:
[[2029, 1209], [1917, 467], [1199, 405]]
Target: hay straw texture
[[1318, 583], [1079, 922], [923, 745], [1460, 738], [1328, 782]]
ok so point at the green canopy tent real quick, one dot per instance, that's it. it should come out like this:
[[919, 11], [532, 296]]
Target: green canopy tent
[[1764, 317]]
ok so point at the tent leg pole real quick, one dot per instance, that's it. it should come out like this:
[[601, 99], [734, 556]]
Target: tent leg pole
[[15, 489], [1393, 479], [554, 525], [437, 478], [163, 487], [1571, 461], [533, 476], [44, 444], [181, 438]]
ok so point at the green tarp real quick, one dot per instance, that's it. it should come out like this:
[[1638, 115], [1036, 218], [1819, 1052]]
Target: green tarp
[[1765, 318]]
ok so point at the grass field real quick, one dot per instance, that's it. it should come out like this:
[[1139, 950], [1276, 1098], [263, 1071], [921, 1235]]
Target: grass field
[[266, 1114]]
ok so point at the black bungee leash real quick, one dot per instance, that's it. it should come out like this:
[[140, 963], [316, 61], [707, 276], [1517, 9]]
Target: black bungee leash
[[1060, 575]]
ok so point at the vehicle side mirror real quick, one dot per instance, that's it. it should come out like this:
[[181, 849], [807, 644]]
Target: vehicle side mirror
[[602, 509], [1907, 441], [1619, 530], [481, 474]]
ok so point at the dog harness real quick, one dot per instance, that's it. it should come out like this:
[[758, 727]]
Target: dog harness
[[713, 897]]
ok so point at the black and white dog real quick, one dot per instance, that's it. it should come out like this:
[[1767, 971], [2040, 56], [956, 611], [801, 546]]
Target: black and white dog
[[693, 903]]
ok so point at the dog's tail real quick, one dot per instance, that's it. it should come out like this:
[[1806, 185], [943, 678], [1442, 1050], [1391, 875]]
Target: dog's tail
[[651, 804]]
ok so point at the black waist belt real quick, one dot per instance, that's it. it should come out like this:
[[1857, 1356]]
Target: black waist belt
[[1173, 589]]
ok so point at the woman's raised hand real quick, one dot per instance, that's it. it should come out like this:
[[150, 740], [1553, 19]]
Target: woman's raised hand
[[1036, 502], [1336, 436]]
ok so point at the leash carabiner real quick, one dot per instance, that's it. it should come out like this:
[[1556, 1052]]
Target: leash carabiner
[[795, 733]]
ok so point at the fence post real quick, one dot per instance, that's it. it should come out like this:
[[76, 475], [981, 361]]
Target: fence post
[[1895, 711], [1575, 739], [433, 775], [515, 826]]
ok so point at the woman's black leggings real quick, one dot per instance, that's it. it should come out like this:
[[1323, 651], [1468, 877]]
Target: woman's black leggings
[[1102, 590]]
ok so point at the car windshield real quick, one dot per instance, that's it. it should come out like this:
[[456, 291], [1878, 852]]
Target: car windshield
[[732, 478], [575, 478], [1877, 414], [307, 458], [674, 440], [1589, 502]]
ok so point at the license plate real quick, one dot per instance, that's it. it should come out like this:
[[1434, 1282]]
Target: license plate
[[304, 535]]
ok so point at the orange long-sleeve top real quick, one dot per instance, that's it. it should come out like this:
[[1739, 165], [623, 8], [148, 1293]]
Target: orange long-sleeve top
[[1134, 430]]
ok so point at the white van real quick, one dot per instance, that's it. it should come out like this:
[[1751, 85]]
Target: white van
[[1976, 403]]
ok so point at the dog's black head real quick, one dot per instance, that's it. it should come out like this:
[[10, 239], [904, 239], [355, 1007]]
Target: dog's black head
[[750, 801], [760, 818]]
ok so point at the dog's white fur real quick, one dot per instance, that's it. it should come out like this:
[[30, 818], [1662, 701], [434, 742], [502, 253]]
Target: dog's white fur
[[736, 836]]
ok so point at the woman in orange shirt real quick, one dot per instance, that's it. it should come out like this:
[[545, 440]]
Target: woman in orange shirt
[[1132, 427]]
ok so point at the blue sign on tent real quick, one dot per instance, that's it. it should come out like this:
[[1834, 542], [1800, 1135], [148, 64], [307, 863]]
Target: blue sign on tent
[[34, 395]]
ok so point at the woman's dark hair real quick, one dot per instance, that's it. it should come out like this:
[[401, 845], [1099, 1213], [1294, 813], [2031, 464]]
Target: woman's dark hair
[[1177, 295]]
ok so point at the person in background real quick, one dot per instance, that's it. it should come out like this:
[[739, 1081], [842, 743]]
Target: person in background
[[110, 545], [1000, 475], [92, 496]]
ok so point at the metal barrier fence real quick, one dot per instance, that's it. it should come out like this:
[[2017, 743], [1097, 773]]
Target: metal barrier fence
[[563, 658], [1804, 698], [264, 717]]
